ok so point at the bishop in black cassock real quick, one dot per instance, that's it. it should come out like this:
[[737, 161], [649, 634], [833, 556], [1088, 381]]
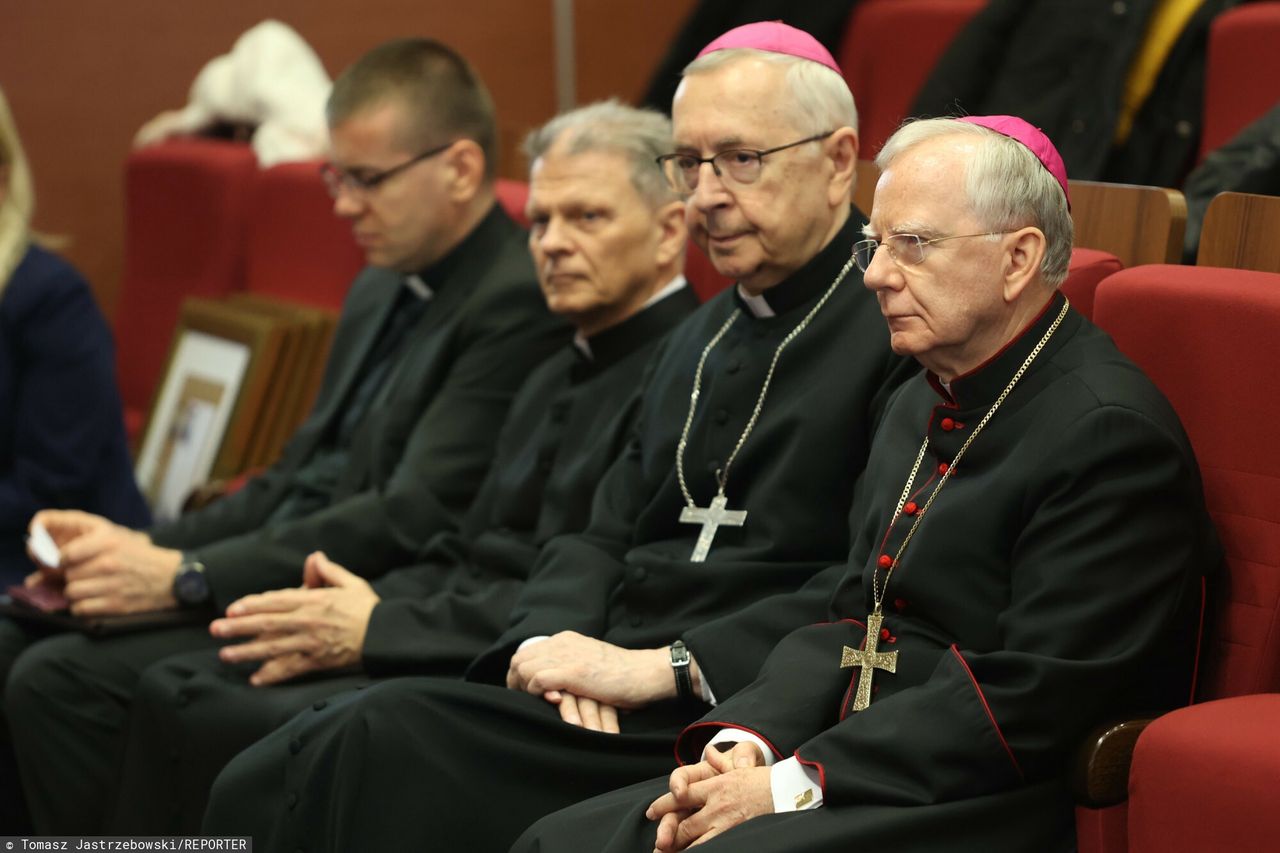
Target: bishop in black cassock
[[421, 763], [1041, 571]]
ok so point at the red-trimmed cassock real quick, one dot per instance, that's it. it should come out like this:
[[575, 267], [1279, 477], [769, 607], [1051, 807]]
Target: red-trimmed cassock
[[1055, 582]]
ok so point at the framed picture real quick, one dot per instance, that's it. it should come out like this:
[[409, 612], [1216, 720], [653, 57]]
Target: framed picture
[[220, 369]]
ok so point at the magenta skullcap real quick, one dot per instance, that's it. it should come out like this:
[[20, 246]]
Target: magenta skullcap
[[774, 37], [1033, 138]]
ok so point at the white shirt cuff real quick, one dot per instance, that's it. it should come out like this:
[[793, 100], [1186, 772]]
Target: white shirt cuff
[[795, 786], [732, 735], [532, 640]]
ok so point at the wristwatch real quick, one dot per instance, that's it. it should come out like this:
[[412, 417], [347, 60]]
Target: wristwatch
[[191, 584], [680, 668]]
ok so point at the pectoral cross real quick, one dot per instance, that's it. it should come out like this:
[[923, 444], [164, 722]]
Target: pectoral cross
[[869, 659], [710, 518]]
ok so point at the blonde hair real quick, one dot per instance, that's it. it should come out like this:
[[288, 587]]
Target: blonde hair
[[18, 204]]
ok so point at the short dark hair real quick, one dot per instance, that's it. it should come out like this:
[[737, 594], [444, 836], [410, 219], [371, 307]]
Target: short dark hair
[[444, 98]]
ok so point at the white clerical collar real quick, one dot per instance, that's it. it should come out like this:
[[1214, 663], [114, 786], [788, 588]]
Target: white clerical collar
[[757, 305], [584, 346], [418, 287]]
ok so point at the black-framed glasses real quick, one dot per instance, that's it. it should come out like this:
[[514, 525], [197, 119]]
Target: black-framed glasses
[[740, 166], [336, 178], [905, 249]]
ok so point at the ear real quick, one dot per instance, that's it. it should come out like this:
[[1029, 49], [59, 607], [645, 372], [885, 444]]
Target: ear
[[1022, 260], [842, 148], [466, 171], [673, 232]]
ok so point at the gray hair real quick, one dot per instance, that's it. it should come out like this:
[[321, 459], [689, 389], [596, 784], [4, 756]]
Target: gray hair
[[821, 97], [443, 97], [1007, 187], [639, 135]]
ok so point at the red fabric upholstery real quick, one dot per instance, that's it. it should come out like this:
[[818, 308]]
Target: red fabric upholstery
[[185, 204], [1087, 268], [1242, 71], [702, 275], [1208, 338], [1204, 778], [296, 248], [889, 49], [513, 195]]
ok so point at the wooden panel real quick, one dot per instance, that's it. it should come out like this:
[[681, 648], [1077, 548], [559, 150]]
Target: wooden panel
[[864, 188], [1139, 225], [1242, 231]]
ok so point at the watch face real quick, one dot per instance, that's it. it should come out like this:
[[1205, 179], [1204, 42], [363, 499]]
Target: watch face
[[191, 586]]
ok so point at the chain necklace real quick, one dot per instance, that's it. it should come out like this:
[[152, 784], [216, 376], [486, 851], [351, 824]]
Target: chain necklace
[[870, 659], [716, 514]]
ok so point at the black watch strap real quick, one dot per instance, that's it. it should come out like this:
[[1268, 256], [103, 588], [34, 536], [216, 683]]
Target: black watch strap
[[680, 668]]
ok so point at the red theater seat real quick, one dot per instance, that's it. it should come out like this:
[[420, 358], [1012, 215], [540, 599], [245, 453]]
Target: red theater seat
[[888, 51], [1207, 337], [296, 248], [185, 205], [1242, 71], [1088, 267], [513, 196]]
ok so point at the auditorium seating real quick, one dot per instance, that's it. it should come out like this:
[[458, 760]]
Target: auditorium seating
[[1086, 271], [1240, 230], [1202, 777], [185, 208], [1242, 71], [889, 49], [1139, 225]]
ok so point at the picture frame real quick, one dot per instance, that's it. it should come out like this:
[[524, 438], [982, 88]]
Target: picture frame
[[204, 416]]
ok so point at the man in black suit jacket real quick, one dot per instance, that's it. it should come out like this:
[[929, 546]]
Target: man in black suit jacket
[[435, 337]]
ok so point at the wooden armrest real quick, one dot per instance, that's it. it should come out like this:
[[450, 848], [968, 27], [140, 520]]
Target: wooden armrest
[[1101, 774]]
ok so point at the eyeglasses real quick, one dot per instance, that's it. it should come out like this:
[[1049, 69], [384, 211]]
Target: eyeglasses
[[905, 249], [740, 166], [336, 179]]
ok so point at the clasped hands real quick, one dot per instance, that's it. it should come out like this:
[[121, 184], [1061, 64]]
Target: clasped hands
[[712, 796], [106, 569], [591, 680], [318, 626]]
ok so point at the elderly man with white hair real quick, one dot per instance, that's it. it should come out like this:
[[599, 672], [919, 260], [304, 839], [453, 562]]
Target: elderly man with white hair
[[1030, 541]]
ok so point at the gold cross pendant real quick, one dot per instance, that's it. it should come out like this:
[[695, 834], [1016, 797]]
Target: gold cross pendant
[[869, 659]]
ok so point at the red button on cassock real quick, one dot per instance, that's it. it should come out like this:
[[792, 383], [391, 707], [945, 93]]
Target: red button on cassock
[[910, 507], [885, 561], [943, 468], [899, 604], [947, 424]]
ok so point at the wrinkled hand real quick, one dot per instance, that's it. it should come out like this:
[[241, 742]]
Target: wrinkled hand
[[108, 570], [589, 668], [296, 631], [705, 799], [585, 712]]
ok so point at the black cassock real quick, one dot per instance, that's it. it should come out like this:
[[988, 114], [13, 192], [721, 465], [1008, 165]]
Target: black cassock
[[369, 491], [1055, 583], [422, 763], [571, 419]]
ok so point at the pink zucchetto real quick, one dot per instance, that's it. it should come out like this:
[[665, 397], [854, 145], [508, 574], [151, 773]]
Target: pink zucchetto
[[774, 37], [1033, 138]]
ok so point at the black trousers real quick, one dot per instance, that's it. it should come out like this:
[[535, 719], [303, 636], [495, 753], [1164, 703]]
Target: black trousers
[[192, 714], [67, 703], [1010, 822], [429, 764]]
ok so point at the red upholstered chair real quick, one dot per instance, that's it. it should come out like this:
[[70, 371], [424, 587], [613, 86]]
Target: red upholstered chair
[[702, 275], [1087, 268], [1203, 777], [513, 195], [185, 203], [1242, 71], [297, 249], [888, 50]]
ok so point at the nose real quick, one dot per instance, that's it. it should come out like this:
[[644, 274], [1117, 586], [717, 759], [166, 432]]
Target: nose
[[882, 273], [710, 192], [348, 204], [554, 240]]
